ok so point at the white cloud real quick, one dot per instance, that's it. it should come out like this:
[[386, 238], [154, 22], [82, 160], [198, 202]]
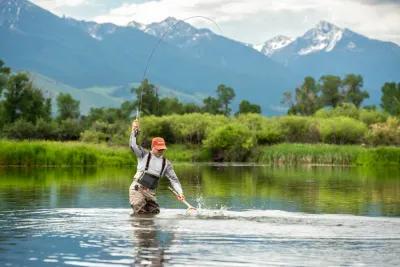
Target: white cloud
[[56, 4], [255, 21]]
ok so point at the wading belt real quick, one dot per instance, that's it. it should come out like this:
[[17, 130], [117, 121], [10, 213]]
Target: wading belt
[[150, 180]]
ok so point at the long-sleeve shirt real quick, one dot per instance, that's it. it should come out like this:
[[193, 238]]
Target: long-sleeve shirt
[[155, 164]]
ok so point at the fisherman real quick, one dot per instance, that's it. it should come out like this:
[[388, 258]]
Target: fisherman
[[152, 165]]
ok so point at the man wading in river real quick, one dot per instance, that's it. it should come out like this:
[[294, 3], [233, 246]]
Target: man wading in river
[[152, 165]]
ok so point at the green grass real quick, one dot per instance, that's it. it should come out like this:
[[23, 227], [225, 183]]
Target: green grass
[[48, 153], [293, 154]]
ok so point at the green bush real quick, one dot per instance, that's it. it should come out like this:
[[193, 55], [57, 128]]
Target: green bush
[[92, 136], [387, 133], [343, 110], [298, 129], [20, 129], [369, 117], [45, 130], [267, 131], [342, 130], [231, 142], [69, 129]]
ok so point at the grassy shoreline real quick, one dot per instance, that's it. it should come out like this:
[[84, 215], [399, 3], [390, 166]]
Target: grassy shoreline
[[50, 153]]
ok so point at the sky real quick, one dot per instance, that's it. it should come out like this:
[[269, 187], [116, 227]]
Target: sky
[[249, 21]]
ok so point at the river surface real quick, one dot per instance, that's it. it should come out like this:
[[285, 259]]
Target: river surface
[[247, 216]]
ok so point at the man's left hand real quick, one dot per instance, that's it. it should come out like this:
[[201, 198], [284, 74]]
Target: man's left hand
[[180, 197]]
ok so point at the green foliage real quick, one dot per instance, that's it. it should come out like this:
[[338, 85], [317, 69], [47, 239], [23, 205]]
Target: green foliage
[[225, 96], [352, 93], [299, 129], [371, 116], [68, 108], [147, 99], [20, 129], [246, 107], [330, 95], [292, 154], [342, 130], [45, 153], [69, 129], [212, 105], [306, 99], [390, 100], [170, 105], [231, 142], [267, 131], [385, 133], [23, 101]]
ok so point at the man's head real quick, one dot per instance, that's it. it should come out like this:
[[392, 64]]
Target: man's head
[[158, 146]]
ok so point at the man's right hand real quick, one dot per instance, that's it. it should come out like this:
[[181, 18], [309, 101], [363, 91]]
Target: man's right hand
[[135, 127]]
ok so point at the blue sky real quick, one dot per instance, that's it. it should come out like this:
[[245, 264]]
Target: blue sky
[[250, 21]]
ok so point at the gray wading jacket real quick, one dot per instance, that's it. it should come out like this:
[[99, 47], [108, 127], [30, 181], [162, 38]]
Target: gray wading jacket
[[155, 164]]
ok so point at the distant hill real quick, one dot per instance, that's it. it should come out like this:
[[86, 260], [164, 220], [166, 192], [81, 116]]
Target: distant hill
[[192, 62], [329, 49]]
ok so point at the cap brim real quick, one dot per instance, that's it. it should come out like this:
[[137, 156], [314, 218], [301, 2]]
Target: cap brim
[[160, 147]]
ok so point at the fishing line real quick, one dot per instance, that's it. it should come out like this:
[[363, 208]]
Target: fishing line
[[164, 34]]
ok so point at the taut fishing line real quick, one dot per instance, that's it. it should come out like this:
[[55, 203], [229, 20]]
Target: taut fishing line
[[162, 37]]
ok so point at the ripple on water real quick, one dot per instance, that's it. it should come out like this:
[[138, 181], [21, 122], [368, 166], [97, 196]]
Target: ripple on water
[[109, 237]]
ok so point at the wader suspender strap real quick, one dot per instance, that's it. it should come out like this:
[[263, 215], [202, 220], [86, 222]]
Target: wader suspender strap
[[163, 166], [164, 162], [148, 161]]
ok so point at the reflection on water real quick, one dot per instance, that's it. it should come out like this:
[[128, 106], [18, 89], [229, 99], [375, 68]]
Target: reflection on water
[[250, 216], [109, 237], [360, 191]]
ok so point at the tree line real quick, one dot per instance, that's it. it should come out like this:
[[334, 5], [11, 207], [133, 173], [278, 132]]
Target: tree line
[[331, 91], [25, 112]]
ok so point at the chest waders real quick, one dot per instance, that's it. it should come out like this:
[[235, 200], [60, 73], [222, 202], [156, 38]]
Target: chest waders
[[150, 180]]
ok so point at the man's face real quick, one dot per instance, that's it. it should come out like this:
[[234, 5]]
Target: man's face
[[157, 152]]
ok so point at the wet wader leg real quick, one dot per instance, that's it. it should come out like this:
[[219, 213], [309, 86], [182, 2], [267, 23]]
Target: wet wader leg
[[136, 199], [152, 207]]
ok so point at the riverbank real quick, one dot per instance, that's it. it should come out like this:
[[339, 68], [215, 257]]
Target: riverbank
[[50, 153]]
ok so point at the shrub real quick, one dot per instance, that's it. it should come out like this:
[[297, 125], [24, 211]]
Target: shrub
[[69, 129], [370, 116], [387, 133], [231, 142], [300, 129], [342, 130], [20, 129]]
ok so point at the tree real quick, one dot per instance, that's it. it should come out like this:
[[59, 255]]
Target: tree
[[211, 105], [68, 107], [330, 95], [307, 100], [246, 107], [191, 108], [24, 101], [351, 89], [170, 105], [390, 100], [4, 73], [147, 99], [225, 96]]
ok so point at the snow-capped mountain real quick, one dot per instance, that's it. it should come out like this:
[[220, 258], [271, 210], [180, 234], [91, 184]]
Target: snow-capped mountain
[[273, 45], [95, 30], [178, 32], [137, 25], [323, 37], [329, 49], [11, 11]]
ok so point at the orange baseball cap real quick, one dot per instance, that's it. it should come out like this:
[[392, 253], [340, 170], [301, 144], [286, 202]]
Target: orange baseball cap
[[158, 143]]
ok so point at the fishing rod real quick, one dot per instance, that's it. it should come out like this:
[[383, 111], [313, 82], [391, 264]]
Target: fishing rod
[[190, 207], [167, 31]]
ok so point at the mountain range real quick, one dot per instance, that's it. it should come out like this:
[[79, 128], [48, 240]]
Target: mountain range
[[174, 54]]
